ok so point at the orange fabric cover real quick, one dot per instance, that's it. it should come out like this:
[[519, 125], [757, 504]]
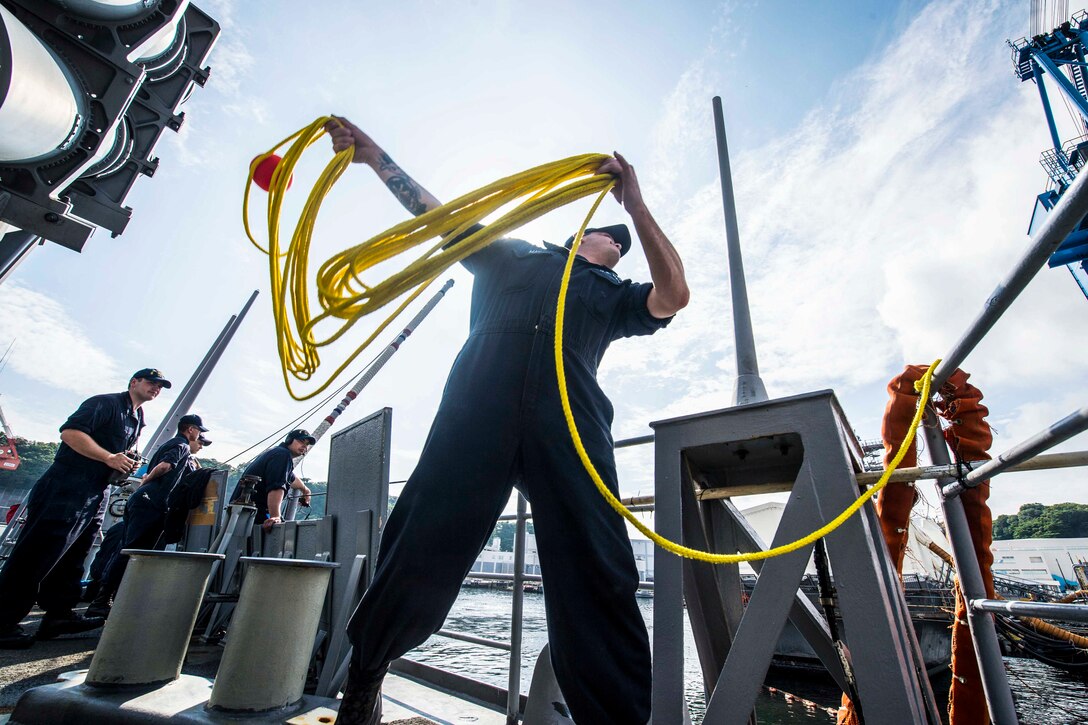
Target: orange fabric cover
[[969, 437]]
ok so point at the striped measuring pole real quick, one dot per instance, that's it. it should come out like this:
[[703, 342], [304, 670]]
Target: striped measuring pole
[[364, 379]]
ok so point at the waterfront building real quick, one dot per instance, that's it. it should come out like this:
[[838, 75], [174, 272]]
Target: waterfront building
[[1046, 562]]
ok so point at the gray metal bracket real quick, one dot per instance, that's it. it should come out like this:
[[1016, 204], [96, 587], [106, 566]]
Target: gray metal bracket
[[803, 445]]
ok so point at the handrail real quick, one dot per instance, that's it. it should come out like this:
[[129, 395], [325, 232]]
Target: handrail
[[1048, 610]]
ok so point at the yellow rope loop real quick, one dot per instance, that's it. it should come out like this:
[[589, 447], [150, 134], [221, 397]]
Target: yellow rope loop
[[342, 295], [672, 546]]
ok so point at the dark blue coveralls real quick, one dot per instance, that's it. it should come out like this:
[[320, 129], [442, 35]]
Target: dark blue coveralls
[[500, 424], [145, 510], [64, 513], [276, 469]]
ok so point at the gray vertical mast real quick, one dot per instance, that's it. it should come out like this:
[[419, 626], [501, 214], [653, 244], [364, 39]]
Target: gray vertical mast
[[749, 386], [188, 394]]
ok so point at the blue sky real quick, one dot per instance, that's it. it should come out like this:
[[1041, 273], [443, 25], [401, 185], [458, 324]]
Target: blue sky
[[885, 160]]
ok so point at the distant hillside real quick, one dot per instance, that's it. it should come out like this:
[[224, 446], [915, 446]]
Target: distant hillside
[[35, 457], [1036, 521]]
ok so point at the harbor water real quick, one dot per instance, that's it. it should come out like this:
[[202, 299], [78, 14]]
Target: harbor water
[[1043, 694]]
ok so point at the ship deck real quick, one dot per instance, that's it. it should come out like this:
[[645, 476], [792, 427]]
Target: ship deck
[[406, 701]]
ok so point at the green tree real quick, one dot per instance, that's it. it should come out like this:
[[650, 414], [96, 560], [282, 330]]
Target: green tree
[[1036, 521], [505, 532], [34, 458]]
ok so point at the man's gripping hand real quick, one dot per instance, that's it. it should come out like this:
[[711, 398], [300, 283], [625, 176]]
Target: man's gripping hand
[[626, 190], [346, 134]]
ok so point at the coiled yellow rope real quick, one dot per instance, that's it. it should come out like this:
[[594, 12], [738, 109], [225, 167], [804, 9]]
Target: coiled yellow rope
[[344, 296]]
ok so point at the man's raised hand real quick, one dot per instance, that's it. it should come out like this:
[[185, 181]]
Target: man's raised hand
[[346, 134], [626, 190]]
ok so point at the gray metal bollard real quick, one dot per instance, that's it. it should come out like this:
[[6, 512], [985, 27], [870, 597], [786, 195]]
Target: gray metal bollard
[[280, 596], [147, 634]]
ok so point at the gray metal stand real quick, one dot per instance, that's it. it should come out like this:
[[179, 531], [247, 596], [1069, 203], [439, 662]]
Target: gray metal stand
[[803, 445]]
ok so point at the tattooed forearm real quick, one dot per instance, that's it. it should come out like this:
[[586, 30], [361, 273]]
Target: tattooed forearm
[[411, 195], [406, 191], [385, 163]]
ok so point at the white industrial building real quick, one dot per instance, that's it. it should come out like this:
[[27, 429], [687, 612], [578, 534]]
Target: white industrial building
[[1047, 562]]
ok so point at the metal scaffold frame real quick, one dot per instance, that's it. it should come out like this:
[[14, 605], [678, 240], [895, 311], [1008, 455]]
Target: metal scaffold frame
[[1066, 216]]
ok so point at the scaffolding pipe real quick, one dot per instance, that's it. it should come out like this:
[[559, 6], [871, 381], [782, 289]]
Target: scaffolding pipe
[[1066, 215], [1060, 432], [1043, 610], [1044, 462], [995, 682]]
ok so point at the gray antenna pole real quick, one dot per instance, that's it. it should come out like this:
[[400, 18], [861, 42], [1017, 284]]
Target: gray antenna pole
[[749, 387], [188, 394]]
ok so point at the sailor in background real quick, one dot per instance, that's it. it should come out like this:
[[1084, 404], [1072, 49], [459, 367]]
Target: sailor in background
[[145, 510], [276, 470], [500, 422], [65, 509]]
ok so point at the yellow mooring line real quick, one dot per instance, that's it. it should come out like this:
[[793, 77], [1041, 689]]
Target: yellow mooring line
[[344, 297]]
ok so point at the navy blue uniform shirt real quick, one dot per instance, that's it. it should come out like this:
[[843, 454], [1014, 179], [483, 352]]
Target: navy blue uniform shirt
[[516, 288], [175, 452], [110, 421], [276, 469]]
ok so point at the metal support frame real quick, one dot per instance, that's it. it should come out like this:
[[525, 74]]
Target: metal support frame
[[1050, 123], [1067, 88], [802, 443], [232, 543], [983, 634], [337, 655]]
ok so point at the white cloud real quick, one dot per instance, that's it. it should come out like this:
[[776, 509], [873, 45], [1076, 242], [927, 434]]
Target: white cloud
[[872, 234], [51, 347]]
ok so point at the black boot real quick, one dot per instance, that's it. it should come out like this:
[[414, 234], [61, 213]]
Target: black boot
[[66, 622], [15, 638], [362, 703], [100, 607]]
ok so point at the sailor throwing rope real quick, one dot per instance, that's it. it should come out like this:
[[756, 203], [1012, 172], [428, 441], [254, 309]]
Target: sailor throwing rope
[[500, 424]]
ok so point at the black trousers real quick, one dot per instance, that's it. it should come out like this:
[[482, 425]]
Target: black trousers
[[498, 424], [143, 525], [64, 513], [111, 544]]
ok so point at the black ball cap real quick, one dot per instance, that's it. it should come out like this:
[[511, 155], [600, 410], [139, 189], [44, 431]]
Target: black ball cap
[[153, 374], [618, 232], [300, 435], [192, 419]]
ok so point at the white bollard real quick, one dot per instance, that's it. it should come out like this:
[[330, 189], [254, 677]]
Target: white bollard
[[271, 636], [147, 634]]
